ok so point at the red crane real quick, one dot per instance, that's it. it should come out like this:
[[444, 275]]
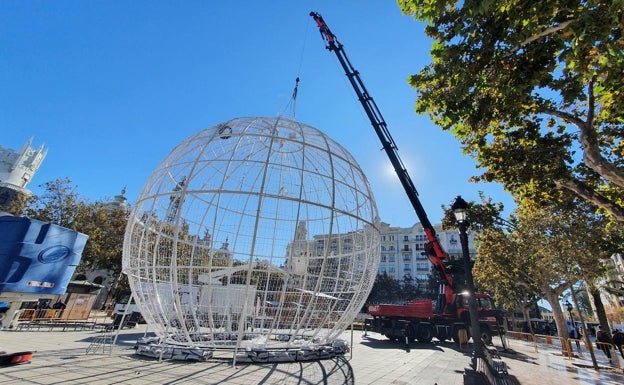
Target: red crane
[[433, 249]]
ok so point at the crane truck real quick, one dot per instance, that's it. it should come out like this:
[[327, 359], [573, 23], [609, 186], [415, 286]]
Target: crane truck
[[419, 320]]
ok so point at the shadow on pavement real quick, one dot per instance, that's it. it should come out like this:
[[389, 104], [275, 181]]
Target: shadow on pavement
[[67, 365], [123, 340], [384, 343]]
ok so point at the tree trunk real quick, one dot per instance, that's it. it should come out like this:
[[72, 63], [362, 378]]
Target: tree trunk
[[600, 310], [562, 327]]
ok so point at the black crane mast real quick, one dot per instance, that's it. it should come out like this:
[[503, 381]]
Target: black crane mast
[[433, 249]]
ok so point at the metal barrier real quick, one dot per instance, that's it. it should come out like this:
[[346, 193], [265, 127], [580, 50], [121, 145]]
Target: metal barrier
[[526, 339], [569, 348], [543, 342], [607, 349]]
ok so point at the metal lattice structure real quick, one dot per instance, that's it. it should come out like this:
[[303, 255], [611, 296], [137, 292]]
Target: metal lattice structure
[[258, 235]]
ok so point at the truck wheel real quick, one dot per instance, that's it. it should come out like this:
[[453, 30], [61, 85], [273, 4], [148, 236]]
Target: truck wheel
[[391, 337], [425, 333], [411, 333]]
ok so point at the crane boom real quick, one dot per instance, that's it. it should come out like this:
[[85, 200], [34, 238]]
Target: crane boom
[[433, 249]]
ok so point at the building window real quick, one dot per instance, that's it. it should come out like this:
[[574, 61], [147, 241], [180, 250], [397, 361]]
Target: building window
[[391, 258], [383, 258], [406, 238]]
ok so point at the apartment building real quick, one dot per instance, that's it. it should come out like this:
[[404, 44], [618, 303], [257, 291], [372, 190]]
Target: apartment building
[[402, 250]]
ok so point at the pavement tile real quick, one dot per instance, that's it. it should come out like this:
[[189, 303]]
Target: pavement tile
[[60, 358]]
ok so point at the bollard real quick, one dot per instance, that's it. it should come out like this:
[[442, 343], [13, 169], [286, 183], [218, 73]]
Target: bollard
[[462, 335]]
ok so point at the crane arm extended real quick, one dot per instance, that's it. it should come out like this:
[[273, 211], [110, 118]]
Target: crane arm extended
[[433, 248]]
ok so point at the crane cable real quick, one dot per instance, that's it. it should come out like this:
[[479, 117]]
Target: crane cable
[[290, 108]]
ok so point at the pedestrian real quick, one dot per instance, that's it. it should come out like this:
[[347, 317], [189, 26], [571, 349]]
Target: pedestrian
[[604, 341], [618, 340], [574, 334]]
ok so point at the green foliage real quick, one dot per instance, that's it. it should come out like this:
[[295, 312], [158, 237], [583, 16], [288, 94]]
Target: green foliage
[[386, 289], [482, 215], [60, 204], [533, 90], [547, 250], [583, 301], [106, 228], [13, 202]]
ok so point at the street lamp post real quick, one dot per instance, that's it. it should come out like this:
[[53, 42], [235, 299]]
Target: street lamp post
[[570, 307], [459, 208]]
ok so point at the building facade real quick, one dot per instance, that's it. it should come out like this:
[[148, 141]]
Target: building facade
[[400, 254], [17, 170], [612, 290], [402, 250]]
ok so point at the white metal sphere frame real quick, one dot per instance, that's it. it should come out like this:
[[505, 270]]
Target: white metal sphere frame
[[258, 235]]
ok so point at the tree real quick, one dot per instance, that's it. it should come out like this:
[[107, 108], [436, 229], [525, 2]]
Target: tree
[[385, 290], [533, 90], [583, 300], [409, 288], [600, 241], [106, 227], [13, 202], [524, 264], [484, 215], [432, 285], [59, 204], [62, 205], [548, 250]]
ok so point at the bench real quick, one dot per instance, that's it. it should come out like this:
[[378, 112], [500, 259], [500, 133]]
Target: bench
[[495, 361], [53, 324], [494, 369]]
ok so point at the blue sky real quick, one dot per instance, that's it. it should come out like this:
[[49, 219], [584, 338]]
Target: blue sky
[[111, 87]]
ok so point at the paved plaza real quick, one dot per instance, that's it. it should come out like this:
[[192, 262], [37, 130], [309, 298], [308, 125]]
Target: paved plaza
[[61, 358]]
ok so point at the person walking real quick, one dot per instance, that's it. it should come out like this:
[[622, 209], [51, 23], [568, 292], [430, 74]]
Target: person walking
[[604, 342], [618, 340], [575, 335]]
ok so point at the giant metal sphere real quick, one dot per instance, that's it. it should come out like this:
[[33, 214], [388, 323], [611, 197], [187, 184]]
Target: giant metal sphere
[[258, 231]]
